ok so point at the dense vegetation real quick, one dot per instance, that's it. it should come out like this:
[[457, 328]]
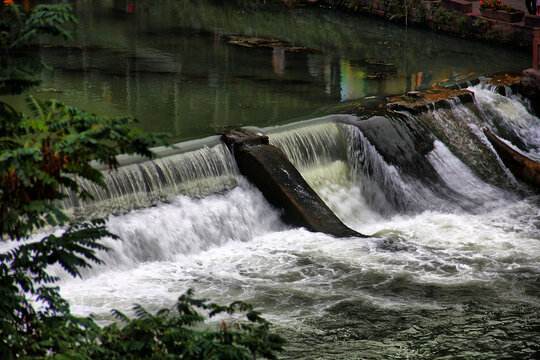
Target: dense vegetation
[[42, 154]]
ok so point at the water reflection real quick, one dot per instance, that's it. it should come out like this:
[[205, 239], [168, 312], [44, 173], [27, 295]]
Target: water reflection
[[278, 61], [167, 63]]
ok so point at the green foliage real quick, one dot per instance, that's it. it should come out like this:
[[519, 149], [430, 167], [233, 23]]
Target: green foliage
[[480, 23], [18, 29], [444, 15], [27, 332], [42, 154], [175, 333], [421, 13]]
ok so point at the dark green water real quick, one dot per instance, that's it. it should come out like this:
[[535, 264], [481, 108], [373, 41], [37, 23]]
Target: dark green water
[[166, 63]]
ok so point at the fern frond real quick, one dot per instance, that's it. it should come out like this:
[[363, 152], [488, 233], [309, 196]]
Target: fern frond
[[141, 312], [120, 316]]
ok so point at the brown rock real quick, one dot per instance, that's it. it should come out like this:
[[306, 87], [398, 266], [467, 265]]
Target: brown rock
[[433, 98]]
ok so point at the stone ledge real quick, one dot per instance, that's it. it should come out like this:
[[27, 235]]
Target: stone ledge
[[434, 98], [457, 6], [532, 21]]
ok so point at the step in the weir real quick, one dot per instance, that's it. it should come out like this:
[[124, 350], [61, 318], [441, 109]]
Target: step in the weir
[[422, 101], [268, 168]]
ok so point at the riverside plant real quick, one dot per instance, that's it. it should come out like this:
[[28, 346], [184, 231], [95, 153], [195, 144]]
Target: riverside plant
[[496, 5], [43, 151]]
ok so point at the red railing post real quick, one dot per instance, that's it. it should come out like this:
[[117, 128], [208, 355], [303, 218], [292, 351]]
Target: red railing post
[[536, 50]]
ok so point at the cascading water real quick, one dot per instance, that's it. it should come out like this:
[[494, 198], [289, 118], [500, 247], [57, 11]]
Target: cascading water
[[383, 185], [509, 117], [439, 278], [460, 128], [196, 173], [311, 146]]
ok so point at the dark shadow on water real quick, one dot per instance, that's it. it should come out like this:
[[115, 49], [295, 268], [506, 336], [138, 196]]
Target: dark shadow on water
[[469, 321]]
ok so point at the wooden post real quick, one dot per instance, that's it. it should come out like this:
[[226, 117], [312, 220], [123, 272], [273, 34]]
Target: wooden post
[[536, 50]]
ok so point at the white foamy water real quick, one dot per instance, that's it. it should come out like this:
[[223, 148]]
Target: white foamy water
[[509, 116], [233, 246]]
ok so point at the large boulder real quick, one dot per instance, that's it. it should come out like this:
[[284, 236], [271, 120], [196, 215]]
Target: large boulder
[[268, 168]]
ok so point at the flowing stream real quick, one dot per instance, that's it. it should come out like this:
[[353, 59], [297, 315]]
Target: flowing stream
[[450, 271]]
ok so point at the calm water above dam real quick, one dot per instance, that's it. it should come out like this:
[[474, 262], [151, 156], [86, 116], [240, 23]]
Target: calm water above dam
[[452, 267], [168, 64]]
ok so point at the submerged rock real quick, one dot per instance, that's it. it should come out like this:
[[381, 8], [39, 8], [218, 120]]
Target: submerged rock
[[268, 168], [258, 42]]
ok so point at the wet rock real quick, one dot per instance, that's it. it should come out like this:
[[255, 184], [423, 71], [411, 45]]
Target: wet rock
[[268, 168], [521, 166], [505, 81], [434, 98], [401, 141]]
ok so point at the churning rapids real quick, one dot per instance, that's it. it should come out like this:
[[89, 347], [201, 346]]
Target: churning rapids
[[452, 270]]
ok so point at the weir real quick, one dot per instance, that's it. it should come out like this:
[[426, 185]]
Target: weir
[[442, 236], [198, 172], [455, 242], [398, 163]]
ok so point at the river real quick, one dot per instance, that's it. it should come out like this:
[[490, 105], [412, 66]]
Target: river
[[451, 269]]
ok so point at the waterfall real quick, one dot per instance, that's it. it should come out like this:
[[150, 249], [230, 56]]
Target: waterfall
[[447, 243], [186, 226], [509, 117], [359, 185], [460, 128], [384, 186], [311, 146], [196, 173]]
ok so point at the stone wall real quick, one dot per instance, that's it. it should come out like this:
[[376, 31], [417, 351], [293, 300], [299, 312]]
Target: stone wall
[[445, 17]]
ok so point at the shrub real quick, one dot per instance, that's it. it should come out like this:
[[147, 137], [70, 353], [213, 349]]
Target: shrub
[[41, 155]]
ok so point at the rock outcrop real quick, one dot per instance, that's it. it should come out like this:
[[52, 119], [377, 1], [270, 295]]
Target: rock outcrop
[[268, 168], [416, 102]]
